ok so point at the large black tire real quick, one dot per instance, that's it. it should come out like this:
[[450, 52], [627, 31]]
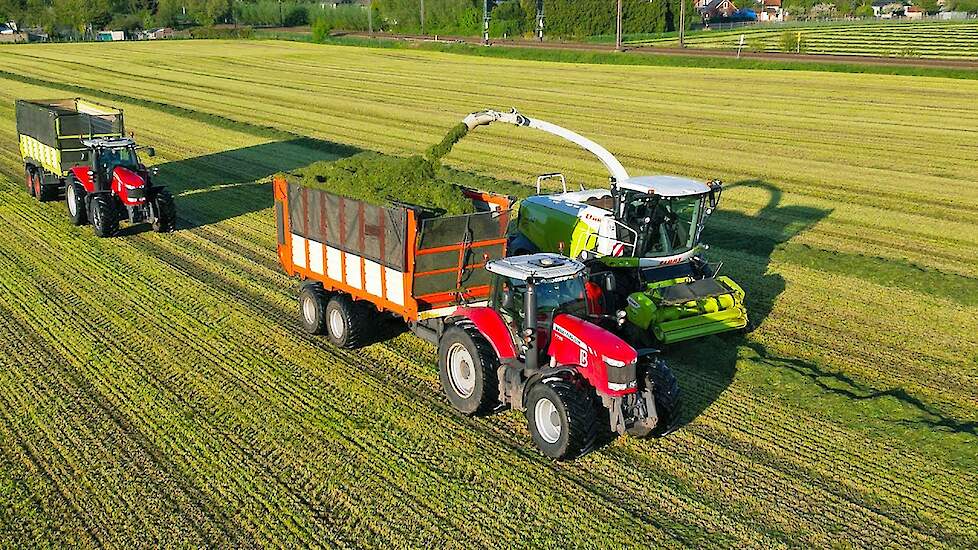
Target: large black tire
[[166, 212], [102, 214], [75, 199], [469, 371], [312, 309], [346, 322], [668, 401], [562, 418], [29, 180], [44, 193]]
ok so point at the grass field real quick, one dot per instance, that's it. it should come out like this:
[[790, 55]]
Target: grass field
[[943, 39], [156, 389]]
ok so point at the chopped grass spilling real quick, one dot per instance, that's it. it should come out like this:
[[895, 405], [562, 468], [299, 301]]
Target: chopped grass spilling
[[436, 152]]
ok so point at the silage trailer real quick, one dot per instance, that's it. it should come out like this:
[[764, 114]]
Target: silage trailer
[[510, 332]]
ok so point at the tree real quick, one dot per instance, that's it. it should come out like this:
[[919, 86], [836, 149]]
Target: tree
[[930, 7], [168, 12], [864, 10], [509, 19]]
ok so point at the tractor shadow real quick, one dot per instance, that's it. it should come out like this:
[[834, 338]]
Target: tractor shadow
[[745, 243], [216, 187]]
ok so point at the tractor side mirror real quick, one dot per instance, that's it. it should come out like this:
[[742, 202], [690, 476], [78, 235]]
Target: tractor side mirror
[[610, 283], [150, 152]]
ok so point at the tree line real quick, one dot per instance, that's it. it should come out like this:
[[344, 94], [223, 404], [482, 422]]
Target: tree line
[[567, 18]]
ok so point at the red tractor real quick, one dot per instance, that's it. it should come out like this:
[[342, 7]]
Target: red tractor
[[116, 186], [516, 332], [536, 347]]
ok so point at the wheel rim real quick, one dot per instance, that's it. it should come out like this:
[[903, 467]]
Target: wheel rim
[[308, 310], [336, 326], [72, 207], [547, 420], [461, 372]]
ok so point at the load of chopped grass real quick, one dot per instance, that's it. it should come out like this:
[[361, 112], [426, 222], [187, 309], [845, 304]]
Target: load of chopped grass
[[422, 181]]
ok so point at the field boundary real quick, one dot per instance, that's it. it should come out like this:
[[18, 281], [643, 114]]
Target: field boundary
[[571, 52]]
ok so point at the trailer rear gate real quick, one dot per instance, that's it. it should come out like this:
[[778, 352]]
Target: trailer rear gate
[[389, 255]]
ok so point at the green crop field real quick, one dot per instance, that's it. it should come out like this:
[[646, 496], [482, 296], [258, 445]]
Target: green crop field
[[941, 39], [157, 390]]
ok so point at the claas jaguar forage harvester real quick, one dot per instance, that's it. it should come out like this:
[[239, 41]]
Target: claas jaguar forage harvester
[[642, 232], [510, 331]]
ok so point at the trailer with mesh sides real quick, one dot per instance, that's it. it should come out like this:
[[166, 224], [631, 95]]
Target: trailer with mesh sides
[[359, 261]]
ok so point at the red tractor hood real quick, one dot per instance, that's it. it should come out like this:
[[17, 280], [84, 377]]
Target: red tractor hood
[[127, 178], [574, 337]]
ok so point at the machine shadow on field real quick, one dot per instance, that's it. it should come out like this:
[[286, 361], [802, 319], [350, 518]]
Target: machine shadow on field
[[216, 187], [706, 367]]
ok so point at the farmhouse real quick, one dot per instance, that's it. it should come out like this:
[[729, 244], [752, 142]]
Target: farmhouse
[[718, 9]]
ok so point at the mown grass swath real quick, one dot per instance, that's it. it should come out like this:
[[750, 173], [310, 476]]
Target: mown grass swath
[[204, 416]]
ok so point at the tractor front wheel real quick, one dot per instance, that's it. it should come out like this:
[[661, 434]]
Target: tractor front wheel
[[665, 392], [166, 212], [468, 369], [75, 197], [562, 418], [312, 309], [102, 213], [346, 322]]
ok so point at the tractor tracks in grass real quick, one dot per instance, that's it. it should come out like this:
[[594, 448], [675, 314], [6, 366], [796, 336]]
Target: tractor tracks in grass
[[286, 320]]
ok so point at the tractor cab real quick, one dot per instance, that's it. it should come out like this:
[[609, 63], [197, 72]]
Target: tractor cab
[[108, 154]]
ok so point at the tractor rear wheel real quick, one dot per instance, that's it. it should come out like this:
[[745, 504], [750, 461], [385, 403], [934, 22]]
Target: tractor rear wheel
[[346, 322], [101, 212], [562, 418], [312, 309], [166, 212], [665, 391], [75, 197], [469, 371], [29, 180]]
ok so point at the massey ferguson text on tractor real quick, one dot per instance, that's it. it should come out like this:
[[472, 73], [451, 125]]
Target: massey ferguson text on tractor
[[511, 332], [79, 149], [644, 231]]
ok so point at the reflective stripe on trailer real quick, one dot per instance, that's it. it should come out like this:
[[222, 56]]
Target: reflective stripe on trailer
[[350, 269]]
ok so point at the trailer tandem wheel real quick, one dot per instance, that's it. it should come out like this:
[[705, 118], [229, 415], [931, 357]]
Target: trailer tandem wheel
[[346, 322]]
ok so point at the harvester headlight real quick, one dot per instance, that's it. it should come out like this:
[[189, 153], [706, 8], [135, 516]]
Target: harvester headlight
[[613, 362]]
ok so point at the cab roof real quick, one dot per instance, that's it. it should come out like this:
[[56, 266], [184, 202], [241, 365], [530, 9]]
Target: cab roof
[[536, 266], [666, 186], [108, 143]]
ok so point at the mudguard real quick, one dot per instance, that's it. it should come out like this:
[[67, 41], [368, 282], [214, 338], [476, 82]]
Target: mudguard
[[491, 325]]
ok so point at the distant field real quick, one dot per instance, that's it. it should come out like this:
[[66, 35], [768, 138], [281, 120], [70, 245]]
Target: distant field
[[155, 390], [943, 39]]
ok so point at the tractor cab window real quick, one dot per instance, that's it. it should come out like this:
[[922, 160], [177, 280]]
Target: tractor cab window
[[666, 225], [553, 297], [108, 159]]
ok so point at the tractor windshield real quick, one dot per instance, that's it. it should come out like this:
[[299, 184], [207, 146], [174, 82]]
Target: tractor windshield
[[108, 159], [565, 296], [665, 225]]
